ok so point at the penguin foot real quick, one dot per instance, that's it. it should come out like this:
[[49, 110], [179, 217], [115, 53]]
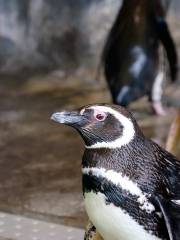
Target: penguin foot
[[91, 233], [158, 108]]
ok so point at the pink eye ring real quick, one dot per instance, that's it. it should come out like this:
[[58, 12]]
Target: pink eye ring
[[100, 116]]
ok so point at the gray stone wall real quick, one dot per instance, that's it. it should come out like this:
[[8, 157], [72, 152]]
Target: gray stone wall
[[53, 33], [64, 34]]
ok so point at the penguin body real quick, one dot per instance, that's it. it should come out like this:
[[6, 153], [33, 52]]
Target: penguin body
[[131, 185], [131, 52], [120, 223]]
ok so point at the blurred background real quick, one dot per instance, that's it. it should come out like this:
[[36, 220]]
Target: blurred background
[[44, 34], [49, 53]]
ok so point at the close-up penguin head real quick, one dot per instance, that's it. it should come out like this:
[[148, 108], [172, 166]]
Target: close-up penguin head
[[100, 125]]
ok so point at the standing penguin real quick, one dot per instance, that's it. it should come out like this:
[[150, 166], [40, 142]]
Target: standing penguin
[[131, 185], [131, 53]]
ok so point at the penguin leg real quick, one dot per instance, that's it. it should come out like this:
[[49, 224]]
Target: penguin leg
[[91, 233], [156, 95]]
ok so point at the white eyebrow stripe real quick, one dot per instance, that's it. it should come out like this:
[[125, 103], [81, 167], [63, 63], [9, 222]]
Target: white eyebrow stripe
[[124, 182], [128, 130]]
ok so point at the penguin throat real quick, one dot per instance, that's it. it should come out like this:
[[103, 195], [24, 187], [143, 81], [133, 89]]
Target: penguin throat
[[94, 138]]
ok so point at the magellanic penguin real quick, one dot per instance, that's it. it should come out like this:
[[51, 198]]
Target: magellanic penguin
[[131, 59], [131, 185]]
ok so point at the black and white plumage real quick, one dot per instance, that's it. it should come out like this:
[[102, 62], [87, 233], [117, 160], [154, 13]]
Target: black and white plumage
[[130, 56], [131, 185]]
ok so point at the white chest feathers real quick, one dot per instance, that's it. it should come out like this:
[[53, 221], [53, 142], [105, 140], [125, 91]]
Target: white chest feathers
[[112, 222]]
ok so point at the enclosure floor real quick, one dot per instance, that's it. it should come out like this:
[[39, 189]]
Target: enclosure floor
[[15, 227], [40, 160]]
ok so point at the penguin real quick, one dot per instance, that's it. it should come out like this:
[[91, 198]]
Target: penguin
[[130, 57], [131, 185]]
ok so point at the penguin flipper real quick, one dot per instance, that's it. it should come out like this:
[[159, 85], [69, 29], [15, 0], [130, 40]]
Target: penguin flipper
[[169, 46], [171, 214]]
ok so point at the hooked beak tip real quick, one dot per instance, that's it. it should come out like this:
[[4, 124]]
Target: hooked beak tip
[[52, 118], [57, 117]]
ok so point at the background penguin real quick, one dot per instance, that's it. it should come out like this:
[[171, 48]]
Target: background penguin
[[131, 185], [131, 53]]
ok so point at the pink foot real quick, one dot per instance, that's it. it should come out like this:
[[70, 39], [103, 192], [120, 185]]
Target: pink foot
[[158, 108]]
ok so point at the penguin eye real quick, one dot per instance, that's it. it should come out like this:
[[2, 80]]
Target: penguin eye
[[100, 116]]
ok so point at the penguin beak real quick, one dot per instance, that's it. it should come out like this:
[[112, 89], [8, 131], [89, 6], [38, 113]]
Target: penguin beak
[[74, 119]]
